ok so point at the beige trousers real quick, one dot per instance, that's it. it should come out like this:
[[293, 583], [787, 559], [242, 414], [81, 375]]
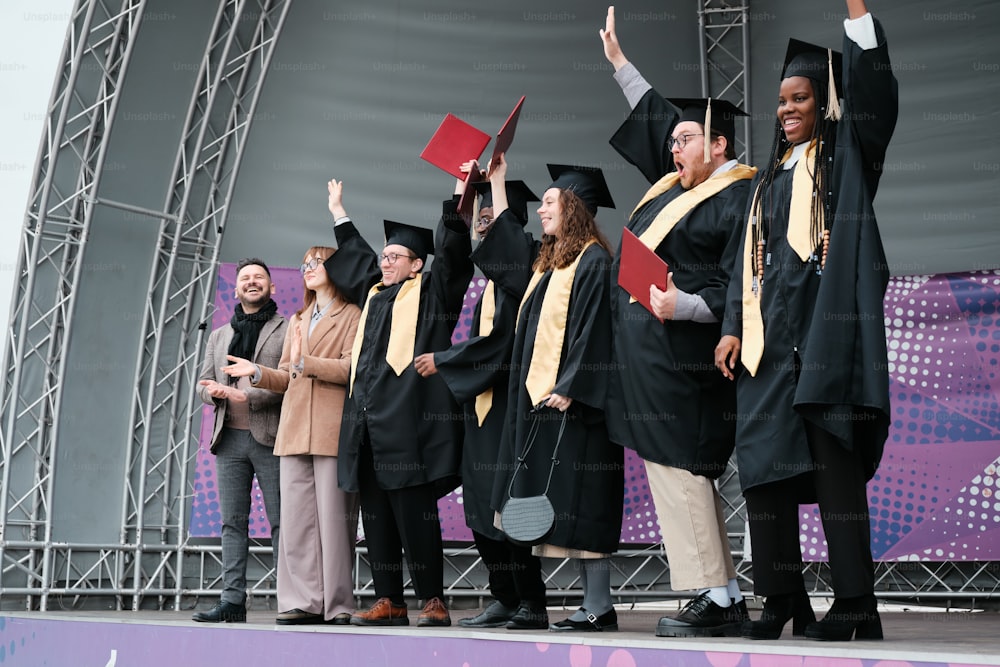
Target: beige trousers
[[693, 527], [316, 552]]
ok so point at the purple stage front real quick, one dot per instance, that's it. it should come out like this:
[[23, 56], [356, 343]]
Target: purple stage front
[[168, 639]]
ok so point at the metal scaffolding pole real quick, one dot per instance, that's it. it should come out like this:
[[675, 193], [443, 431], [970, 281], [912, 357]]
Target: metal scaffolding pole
[[181, 289], [725, 59], [95, 61]]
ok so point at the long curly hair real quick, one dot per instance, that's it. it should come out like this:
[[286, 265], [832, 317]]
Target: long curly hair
[[578, 227], [322, 253], [820, 217]]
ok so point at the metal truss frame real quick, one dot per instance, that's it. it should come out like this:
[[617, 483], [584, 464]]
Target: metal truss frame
[[725, 58], [95, 60], [155, 564], [180, 298]]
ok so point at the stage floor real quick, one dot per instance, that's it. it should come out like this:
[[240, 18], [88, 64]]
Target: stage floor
[[155, 639]]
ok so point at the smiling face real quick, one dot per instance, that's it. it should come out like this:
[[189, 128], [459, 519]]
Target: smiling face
[[551, 212], [253, 287], [315, 278], [797, 109], [405, 266]]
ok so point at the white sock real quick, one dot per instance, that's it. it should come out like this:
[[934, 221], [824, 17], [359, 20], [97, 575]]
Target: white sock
[[735, 593], [719, 595]]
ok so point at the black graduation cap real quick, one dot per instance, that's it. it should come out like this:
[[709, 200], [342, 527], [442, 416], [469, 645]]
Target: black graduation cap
[[518, 196], [587, 183], [715, 115], [419, 240], [814, 62]]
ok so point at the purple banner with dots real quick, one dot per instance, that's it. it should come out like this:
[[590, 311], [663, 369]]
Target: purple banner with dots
[[934, 496]]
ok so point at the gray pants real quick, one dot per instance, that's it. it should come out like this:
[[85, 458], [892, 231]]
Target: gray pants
[[237, 457]]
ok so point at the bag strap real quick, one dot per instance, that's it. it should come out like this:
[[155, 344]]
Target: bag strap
[[529, 442]]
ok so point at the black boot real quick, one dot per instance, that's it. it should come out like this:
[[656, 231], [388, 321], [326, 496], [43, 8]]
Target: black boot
[[848, 617], [777, 610]]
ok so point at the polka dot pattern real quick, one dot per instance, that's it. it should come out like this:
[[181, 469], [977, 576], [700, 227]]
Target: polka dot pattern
[[943, 340]]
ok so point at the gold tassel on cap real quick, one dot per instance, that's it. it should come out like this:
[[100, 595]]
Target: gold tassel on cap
[[708, 131], [833, 104]]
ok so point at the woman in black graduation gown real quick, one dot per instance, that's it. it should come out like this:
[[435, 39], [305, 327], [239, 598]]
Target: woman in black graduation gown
[[476, 372], [559, 371], [813, 405]]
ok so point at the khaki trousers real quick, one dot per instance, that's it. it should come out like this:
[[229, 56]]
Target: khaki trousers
[[693, 527]]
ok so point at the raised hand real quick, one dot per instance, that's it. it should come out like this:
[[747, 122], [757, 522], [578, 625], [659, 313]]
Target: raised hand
[[335, 198], [612, 49]]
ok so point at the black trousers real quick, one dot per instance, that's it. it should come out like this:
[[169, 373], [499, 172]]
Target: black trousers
[[396, 520], [515, 575], [837, 481]]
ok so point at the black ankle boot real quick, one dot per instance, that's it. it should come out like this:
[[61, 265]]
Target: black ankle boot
[[777, 610], [848, 617]]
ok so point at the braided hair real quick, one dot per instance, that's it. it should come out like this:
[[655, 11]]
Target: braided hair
[[820, 217]]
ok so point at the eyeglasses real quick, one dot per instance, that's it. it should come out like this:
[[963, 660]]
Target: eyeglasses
[[682, 140], [310, 265], [391, 257]]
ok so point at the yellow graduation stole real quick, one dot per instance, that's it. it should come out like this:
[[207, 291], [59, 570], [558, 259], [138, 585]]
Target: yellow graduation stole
[[402, 333], [800, 210], [484, 401], [672, 213], [544, 366]]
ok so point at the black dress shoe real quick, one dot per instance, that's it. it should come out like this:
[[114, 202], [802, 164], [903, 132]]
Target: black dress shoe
[[529, 616], [495, 615], [223, 612], [298, 617], [700, 617], [606, 622], [777, 610], [848, 617]]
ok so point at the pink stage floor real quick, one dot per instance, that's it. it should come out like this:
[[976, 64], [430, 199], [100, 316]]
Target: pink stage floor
[[162, 639]]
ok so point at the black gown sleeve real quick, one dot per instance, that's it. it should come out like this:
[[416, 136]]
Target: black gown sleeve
[[452, 268], [354, 267], [474, 365], [871, 95], [642, 138], [507, 254]]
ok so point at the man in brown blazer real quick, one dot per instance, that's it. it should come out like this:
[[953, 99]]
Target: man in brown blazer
[[246, 423]]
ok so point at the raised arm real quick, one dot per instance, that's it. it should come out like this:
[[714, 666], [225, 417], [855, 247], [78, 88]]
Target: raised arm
[[354, 267]]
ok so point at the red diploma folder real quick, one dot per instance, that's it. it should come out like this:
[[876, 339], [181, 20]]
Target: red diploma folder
[[505, 137], [453, 143], [640, 267]]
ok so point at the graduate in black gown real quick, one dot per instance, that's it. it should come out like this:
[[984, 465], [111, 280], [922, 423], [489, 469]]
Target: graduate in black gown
[[667, 401], [559, 372], [477, 373], [401, 435], [805, 317]]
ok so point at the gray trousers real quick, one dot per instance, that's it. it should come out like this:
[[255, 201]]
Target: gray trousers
[[237, 458]]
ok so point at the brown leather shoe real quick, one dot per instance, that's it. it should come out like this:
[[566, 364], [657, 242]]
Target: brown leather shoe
[[434, 614], [383, 612]]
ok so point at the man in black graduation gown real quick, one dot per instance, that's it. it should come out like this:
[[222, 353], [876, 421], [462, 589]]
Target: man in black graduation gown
[[401, 436], [477, 372], [667, 402]]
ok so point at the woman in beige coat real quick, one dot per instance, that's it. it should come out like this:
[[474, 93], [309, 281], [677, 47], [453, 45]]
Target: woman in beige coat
[[318, 520]]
